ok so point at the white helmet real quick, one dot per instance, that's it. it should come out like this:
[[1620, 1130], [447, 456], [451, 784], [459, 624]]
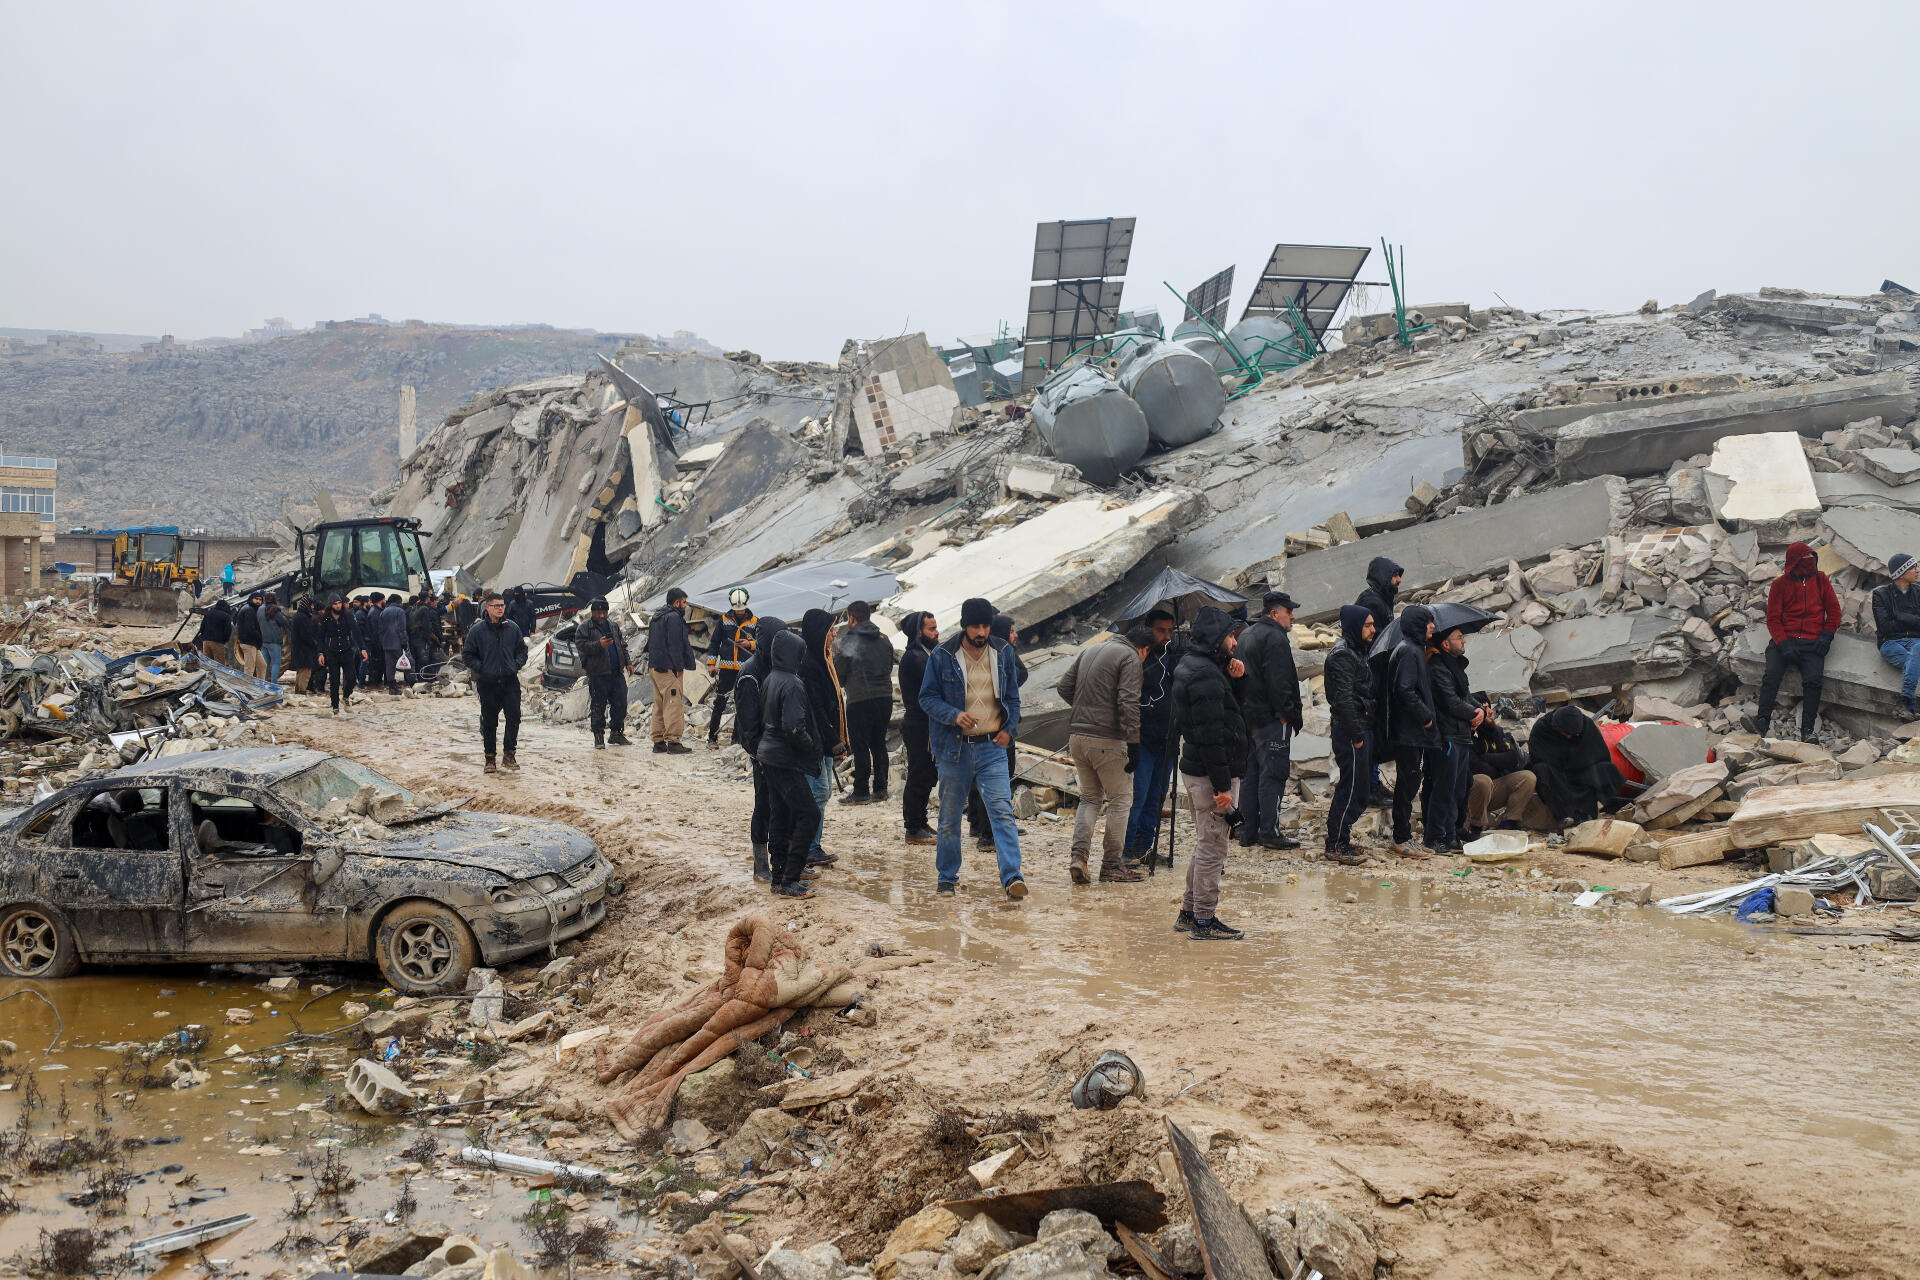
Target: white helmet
[[737, 597]]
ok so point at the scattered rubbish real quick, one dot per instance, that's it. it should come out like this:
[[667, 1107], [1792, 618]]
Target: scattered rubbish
[[1135, 1204], [1498, 846], [185, 1238], [510, 1163], [1112, 1077]]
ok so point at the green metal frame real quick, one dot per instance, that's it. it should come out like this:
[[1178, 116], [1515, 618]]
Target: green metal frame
[[1396, 277]]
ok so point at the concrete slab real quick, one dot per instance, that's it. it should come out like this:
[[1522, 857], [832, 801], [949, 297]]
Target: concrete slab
[[1853, 489], [1659, 750], [1463, 545], [1867, 537], [1614, 649], [1050, 563], [1504, 663], [1890, 465], [1642, 441], [1856, 675], [1766, 480]]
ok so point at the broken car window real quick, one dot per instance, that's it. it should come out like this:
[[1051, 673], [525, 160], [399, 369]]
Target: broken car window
[[338, 778], [131, 818], [229, 824]]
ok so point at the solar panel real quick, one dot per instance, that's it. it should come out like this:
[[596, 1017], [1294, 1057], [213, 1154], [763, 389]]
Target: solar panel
[[1315, 278], [1066, 315], [1209, 301], [1090, 249]]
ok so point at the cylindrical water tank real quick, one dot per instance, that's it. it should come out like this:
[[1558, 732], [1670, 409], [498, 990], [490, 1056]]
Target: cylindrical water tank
[[1177, 390], [1268, 341], [1088, 421]]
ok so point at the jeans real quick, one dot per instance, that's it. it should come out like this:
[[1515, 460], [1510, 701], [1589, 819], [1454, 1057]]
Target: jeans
[[822, 786], [1209, 856], [1105, 786], [982, 765], [497, 696], [1350, 792], [977, 821], [1445, 766], [1150, 779], [792, 812], [1407, 762], [1904, 654], [867, 740], [921, 774], [607, 705], [1805, 656], [272, 653], [1264, 784]]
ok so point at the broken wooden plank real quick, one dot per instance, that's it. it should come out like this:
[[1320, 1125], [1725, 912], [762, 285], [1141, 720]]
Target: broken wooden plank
[[1136, 1204], [812, 1093], [1151, 1264], [1229, 1245], [1774, 815]]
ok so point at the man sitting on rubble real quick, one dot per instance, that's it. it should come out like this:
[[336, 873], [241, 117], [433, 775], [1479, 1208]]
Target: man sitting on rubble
[[1896, 625], [1802, 615], [494, 651], [603, 656], [1501, 780], [1102, 687], [971, 694], [1573, 766]]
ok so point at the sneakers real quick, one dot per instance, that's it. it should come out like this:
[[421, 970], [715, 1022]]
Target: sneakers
[[923, 836], [880, 796], [619, 739], [945, 887], [599, 743], [1183, 922], [1119, 875], [1409, 850], [1279, 842], [1077, 872], [795, 891], [1379, 798], [1016, 888], [821, 858], [659, 748], [1214, 930], [508, 763], [491, 766], [983, 842], [857, 797], [678, 749]]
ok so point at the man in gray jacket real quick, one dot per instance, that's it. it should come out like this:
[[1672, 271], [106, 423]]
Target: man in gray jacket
[[1103, 688], [863, 659]]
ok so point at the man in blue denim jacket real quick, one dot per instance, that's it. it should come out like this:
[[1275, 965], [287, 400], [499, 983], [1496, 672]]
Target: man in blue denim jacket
[[971, 694]]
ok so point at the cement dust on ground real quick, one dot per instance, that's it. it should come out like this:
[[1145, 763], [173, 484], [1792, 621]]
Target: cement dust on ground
[[1497, 1083]]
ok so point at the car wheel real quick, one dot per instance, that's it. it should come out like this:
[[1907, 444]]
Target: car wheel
[[423, 948], [36, 942]]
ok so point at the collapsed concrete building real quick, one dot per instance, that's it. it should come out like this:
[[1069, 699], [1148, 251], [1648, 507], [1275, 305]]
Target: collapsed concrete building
[[1614, 488]]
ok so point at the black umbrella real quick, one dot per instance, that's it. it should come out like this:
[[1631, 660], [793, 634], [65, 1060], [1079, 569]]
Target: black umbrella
[[1446, 617], [1180, 594]]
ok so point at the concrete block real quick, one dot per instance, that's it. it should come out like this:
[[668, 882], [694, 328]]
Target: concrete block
[[1792, 900], [1889, 883], [1612, 649], [1464, 545], [379, 1092], [1891, 466], [1504, 662], [1856, 675], [1761, 481], [1608, 837], [1866, 537], [1857, 489], [1680, 793], [1645, 440], [1695, 850], [1659, 750]]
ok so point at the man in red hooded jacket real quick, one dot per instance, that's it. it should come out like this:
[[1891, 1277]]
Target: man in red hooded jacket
[[1802, 615]]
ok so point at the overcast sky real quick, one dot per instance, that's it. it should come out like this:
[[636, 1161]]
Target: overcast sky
[[784, 176]]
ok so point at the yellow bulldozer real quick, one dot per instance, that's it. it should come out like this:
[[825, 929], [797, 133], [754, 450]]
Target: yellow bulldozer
[[151, 565]]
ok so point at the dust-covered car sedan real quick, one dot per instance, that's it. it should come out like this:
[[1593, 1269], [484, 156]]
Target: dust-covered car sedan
[[258, 854]]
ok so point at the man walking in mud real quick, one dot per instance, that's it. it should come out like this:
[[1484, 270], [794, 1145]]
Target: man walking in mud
[[494, 651], [971, 694]]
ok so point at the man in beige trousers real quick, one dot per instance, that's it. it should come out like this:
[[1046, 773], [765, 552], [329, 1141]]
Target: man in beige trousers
[[669, 658], [1103, 688]]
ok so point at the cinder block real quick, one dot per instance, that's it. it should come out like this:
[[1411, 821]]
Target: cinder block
[[378, 1091]]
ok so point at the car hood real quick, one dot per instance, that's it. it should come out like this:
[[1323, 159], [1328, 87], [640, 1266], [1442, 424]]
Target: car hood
[[530, 846]]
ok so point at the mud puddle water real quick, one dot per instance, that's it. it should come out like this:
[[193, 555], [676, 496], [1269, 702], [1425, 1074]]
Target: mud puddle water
[[1639, 1022], [95, 1138]]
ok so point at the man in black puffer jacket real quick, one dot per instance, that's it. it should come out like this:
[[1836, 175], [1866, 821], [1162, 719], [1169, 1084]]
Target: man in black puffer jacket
[[748, 726], [923, 633], [829, 712], [1383, 585], [1457, 714], [1349, 685], [1270, 696], [604, 658], [494, 651], [1214, 744], [1407, 712], [863, 659], [790, 757]]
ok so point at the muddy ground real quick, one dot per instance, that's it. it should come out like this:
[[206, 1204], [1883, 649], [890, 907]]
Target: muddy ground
[[1496, 1082]]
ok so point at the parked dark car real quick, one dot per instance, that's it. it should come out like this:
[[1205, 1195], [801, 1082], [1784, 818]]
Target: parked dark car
[[252, 855], [563, 660]]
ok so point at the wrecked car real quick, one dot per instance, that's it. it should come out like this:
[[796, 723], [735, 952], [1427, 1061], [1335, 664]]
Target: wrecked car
[[285, 854]]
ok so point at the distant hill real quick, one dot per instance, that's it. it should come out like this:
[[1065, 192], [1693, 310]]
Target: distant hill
[[218, 436], [116, 342]]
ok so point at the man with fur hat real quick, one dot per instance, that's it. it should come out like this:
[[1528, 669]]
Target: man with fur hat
[[971, 694]]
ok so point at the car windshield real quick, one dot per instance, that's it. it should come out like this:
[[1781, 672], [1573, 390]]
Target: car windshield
[[338, 778]]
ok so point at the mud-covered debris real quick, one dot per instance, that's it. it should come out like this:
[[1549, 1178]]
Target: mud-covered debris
[[378, 1090], [1112, 1077]]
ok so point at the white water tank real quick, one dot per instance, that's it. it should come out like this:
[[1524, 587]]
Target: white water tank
[[1177, 389], [1087, 420]]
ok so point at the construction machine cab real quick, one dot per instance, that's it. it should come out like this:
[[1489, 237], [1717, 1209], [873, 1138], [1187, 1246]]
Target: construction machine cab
[[347, 558]]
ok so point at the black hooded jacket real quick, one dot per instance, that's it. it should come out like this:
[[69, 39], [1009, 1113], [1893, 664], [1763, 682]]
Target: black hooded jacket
[[913, 667], [748, 692], [216, 624], [1206, 713], [864, 662], [1002, 629], [1407, 700], [1377, 596], [1570, 760], [246, 624], [1348, 679], [1453, 701], [303, 639], [823, 686], [1271, 688], [790, 730]]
